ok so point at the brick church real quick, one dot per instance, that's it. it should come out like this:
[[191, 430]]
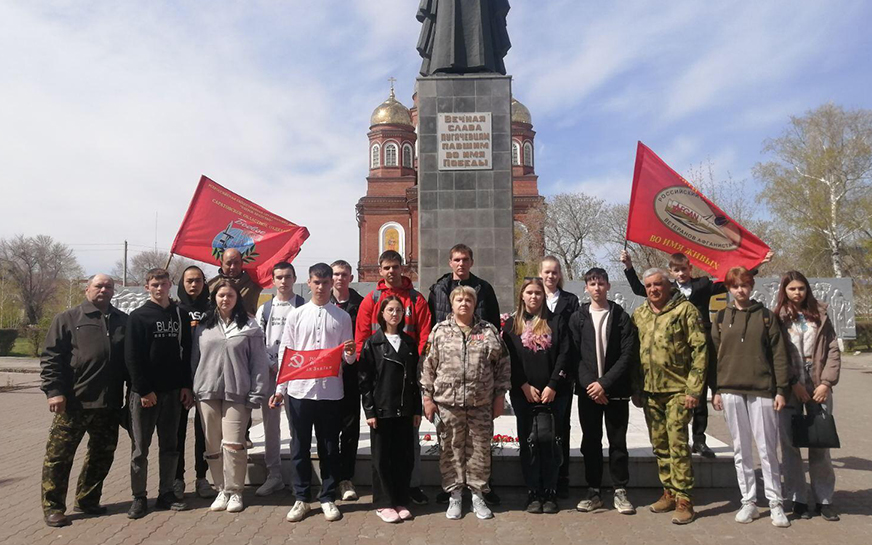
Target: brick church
[[388, 215]]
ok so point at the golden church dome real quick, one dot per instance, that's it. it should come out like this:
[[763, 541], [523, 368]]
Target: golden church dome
[[391, 112], [520, 113]]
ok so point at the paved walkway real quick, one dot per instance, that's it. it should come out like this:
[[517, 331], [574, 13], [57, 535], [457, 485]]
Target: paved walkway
[[25, 421]]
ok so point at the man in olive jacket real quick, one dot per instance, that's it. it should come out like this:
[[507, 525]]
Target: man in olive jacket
[[83, 377], [668, 383]]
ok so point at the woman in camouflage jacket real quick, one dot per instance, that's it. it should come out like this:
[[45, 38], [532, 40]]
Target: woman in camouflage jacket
[[465, 376]]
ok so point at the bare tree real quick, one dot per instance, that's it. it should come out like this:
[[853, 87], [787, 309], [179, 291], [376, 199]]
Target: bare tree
[[36, 267], [613, 222], [820, 183], [151, 259], [572, 226]]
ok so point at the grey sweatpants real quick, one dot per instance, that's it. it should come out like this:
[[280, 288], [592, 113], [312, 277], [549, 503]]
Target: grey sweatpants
[[165, 417]]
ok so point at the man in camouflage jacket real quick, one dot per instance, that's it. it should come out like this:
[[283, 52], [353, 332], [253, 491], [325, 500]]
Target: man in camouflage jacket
[[668, 382], [464, 374]]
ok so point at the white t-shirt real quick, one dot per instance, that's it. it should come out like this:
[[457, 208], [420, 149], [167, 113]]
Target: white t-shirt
[[551, 300], [394, 340], [801, 334], [685, 289], [276, 326], [601, 334]]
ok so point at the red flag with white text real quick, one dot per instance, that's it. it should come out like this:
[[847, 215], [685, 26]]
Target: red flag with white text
[[669, 214], [218, 219], [300, 364]]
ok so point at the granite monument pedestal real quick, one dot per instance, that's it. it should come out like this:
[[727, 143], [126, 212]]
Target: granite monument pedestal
[[465, 177]]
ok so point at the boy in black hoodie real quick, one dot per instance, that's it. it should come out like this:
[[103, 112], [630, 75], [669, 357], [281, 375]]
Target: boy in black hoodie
[[157, 354], [605, 340], [194, 303]]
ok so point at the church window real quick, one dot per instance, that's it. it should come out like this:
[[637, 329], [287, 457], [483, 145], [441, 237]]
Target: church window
[[374, 157], [390, 155], [407, 156], [516, 153], [528, 154]]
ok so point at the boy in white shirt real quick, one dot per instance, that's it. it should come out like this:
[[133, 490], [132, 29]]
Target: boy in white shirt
[[317, 325], [272, 316]]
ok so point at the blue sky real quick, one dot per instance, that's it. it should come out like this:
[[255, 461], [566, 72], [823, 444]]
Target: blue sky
[[110, 111]]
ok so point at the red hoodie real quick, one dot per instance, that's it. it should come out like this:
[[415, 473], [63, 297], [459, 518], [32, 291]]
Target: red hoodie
[[417, 314]]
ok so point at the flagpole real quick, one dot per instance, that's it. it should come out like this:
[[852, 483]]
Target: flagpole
[[170, 258]]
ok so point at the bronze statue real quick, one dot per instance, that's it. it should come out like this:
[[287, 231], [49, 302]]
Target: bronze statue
[[463, 36]]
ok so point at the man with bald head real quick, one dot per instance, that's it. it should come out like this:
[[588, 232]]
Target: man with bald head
[[231, 270], [83, 378]]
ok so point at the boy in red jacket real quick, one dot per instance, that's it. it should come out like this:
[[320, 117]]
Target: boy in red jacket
[[393, 282], [418, 325]]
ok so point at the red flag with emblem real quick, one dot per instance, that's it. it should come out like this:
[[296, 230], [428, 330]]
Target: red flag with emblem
[[300, 364], [218, 219], [669, 214]]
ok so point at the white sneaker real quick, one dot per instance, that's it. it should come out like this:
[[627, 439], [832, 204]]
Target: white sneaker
[[298, 511], [779, 519], [220, 503], [480, 508], [347, 491], [204, 489], [235, 503], [179, 489], [622, 503], [331, 512], [747, 513], [455, 505], [270, 486]]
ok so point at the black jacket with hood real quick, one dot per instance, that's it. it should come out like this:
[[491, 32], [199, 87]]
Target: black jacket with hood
[[487, 307], [157, 349], [194, 309], [623, 343]]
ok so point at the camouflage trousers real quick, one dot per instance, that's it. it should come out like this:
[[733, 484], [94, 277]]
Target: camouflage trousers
[[465, 438], [667, 427], [66, 432]]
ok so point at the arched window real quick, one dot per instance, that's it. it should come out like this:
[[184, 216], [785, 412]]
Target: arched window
[[391, 154], [407, 156], [392, 236], [516, 153], [528, 154], [374, 156]]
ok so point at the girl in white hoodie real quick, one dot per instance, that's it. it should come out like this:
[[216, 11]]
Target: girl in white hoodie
[[231, 367]]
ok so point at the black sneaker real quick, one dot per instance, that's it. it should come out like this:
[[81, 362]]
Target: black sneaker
[[168, 502], [549, 506], [91, 510], [703, 450], [534, 504], [442, 497], [827, 512], [418, 497], [800, 511], [491, 498], [138, 509]]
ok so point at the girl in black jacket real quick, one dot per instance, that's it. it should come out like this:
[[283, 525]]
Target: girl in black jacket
[[388, 374], [539, 348]]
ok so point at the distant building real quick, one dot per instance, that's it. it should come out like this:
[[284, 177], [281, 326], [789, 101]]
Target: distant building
[[387, 216]]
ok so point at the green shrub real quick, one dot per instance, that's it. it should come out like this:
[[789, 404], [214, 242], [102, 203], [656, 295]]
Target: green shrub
[[864, 336], [35, 338], [7, 340]]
